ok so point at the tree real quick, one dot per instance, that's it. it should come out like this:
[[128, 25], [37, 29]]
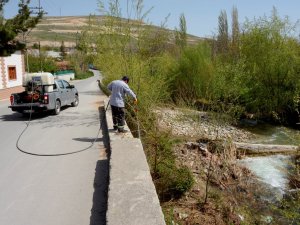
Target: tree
[[18, 25], [2, 3], [41, 63], [271, 56], [63, 52], [181, 35], [223, 37], [235, 32]]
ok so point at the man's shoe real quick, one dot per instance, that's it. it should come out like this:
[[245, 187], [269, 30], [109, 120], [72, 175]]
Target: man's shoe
[[115, 127]]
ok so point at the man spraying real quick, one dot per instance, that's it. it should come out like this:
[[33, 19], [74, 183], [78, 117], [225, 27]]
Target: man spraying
[[119, 88]]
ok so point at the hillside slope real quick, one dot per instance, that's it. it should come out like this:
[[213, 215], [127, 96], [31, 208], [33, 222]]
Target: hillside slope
[[51, 31]]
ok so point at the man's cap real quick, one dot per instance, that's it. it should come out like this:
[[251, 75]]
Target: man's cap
[[125, 78]]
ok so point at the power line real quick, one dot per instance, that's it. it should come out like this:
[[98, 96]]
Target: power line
[[53, 6], [39, 8]]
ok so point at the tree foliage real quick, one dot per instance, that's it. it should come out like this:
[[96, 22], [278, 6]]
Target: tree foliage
[[223, 35], [191, 77], [41, 63], [272, 58], [181, 34], [235, 34], [63, 52], [18, 25]]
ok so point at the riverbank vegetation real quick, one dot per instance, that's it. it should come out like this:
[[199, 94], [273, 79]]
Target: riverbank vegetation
[[249, 71]]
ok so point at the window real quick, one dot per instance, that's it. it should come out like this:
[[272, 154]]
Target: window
[[60, 84], [12, 73], [66, 84]]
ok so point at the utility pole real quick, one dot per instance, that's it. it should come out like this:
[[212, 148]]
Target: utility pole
[[39, 10]]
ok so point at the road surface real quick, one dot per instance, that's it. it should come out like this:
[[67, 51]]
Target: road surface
[[54, 190]]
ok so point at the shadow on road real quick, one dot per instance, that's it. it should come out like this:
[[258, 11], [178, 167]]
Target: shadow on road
[[14, 116], [87, 139], [98, 211], [101, 181], [21, 117]]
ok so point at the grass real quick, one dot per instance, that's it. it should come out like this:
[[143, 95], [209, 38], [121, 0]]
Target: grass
[[45, 27], [44, 36]]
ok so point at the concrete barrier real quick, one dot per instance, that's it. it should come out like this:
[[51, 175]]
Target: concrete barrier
[[132, 198]]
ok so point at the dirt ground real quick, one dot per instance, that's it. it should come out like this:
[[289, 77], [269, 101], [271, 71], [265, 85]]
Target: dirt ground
[[223, 191], [233, 194]]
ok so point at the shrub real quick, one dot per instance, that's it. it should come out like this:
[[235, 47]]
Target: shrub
[[192, 75], [173, 182], [41, 63]]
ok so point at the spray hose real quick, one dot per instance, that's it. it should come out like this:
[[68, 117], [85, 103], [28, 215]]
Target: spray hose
[[58, 154]]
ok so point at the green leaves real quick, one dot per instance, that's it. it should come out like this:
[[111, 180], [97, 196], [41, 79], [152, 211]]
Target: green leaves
[[2, 3], [11, 28], [271, 56], [191, 77]]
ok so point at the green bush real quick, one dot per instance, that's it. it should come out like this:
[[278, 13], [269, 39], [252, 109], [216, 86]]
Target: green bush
[[41, 63], [173, 182], [192, 74], [271, 56]]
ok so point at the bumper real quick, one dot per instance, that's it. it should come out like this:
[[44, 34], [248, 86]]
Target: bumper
[[34, 107]]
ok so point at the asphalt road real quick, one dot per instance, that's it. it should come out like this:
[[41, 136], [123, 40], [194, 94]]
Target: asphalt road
[[54, 190]]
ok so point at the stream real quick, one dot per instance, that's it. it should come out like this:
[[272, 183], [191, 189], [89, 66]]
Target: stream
[[275, 173], [269, 134], [272, 170]]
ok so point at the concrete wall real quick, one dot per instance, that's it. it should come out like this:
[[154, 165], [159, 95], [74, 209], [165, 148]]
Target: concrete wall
[[67, 77], [132, 198]]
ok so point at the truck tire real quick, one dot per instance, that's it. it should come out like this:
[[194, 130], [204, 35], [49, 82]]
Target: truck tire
[[76, 101], [57, 108]]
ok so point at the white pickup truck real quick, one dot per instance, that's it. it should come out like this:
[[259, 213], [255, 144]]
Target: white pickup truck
[[43, 93]]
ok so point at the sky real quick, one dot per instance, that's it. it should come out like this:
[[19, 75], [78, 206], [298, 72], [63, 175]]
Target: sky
[[201, 15]]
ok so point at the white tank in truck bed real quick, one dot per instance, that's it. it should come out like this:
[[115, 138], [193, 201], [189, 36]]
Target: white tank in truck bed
[[43, 78]]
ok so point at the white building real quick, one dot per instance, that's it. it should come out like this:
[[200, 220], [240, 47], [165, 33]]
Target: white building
[[12, 71]]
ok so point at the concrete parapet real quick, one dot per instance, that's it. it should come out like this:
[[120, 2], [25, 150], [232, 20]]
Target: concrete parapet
[[132, 199]]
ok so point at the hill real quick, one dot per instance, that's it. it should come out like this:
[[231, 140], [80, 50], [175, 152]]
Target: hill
[[51, 31]]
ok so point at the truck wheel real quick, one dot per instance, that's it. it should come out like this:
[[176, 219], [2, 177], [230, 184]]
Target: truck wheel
[[57, 108], [76, 101]]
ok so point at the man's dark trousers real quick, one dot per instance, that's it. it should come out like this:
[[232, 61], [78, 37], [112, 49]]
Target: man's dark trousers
[[118, 115]]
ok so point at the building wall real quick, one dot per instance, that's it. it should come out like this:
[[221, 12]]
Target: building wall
[[7, 87], [2, 74]]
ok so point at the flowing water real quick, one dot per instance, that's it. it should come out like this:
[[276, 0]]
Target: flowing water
[[269, 134], [273, 170]]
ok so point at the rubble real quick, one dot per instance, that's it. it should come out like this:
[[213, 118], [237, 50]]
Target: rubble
[[192, 123]]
